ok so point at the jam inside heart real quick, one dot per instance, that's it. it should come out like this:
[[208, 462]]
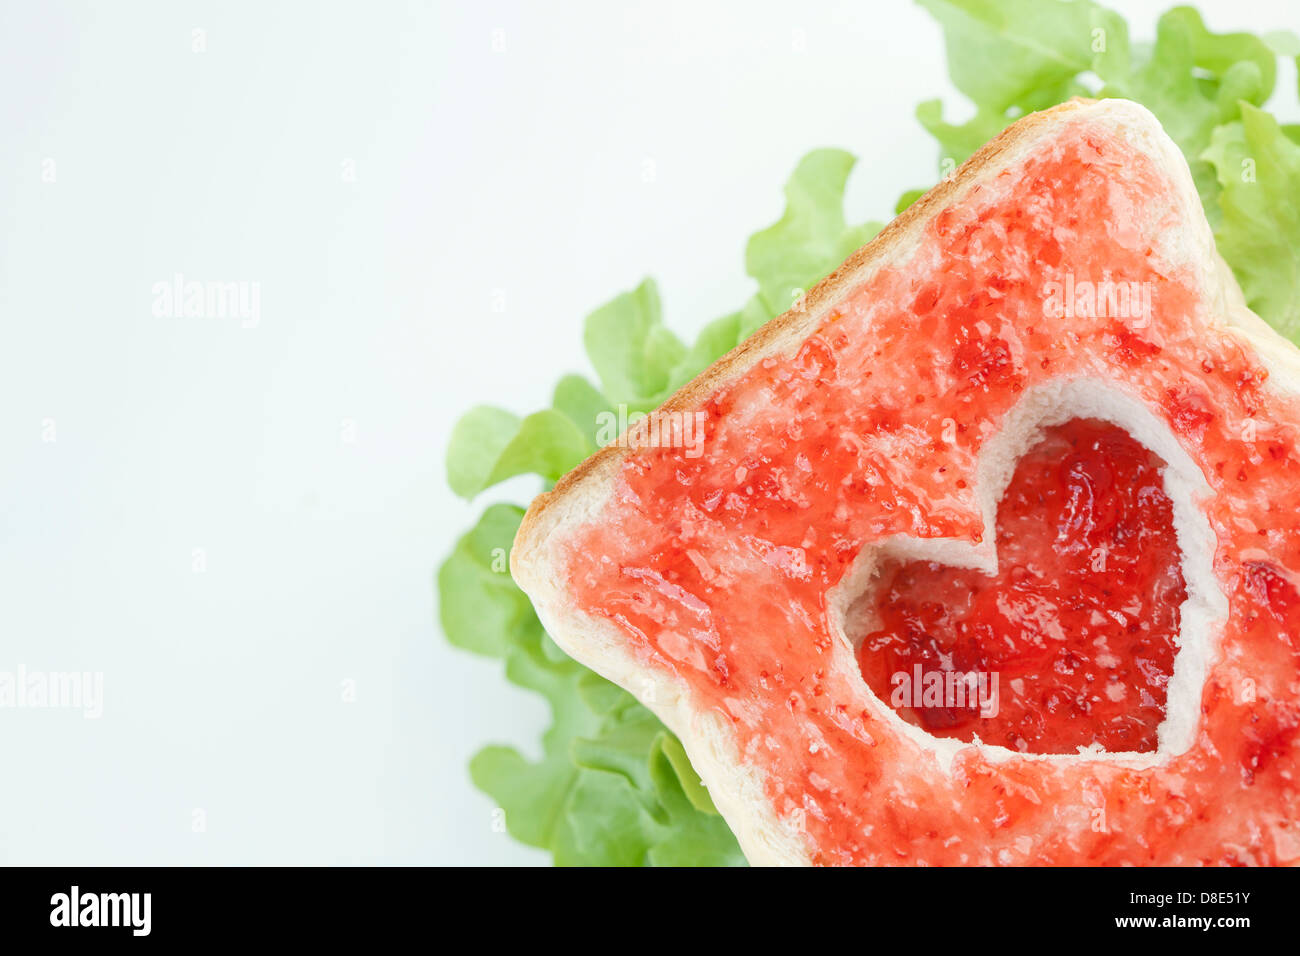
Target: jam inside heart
[[1072, 642]]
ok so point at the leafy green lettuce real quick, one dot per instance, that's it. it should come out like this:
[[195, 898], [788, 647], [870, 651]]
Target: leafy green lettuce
[[1258, 169], [613, 786]]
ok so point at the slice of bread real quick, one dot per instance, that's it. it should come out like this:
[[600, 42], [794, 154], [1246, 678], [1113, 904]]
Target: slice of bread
[[739, 781]]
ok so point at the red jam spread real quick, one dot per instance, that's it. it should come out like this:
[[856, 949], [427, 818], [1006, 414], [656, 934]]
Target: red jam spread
[[717, 567], [1074, 637]]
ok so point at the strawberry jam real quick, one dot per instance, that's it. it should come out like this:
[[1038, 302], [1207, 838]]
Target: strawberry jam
[[717, 569], [1074, 637]]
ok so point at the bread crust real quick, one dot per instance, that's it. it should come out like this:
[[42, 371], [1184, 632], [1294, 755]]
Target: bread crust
[[772, 334], [537, 562]]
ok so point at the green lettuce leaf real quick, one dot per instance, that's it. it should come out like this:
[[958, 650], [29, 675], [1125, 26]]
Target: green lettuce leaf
[[958, 142], [480, 607], [811, 238], [583, 404], [597, 798], [692, 787], [1013, 54], [1259, 232], [489, 445], [1011, 58], [691, 835], [715, 340], [1193, 81], [597, 795], [631, 348]]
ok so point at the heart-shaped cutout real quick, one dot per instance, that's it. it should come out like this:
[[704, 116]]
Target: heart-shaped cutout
[[1080, 623], [1072, 642]]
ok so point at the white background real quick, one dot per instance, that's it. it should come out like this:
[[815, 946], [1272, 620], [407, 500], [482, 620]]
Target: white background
[[500, 150]]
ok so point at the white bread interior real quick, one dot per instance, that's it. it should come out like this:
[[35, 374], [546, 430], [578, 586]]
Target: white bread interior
[[737, 787]]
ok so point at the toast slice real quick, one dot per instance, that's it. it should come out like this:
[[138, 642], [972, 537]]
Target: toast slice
[[882, 418]]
